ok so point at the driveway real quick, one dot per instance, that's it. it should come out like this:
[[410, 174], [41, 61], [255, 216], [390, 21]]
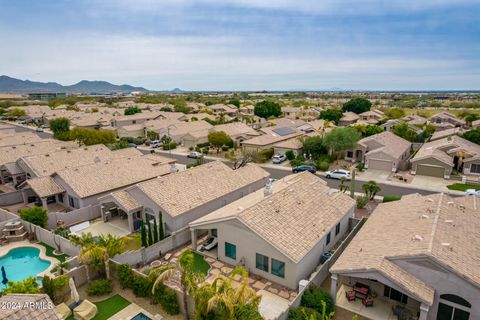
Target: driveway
[[432, 183], [375, 175]]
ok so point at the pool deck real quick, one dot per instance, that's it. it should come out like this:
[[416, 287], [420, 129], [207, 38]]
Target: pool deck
[[132, 310], [24, 243]]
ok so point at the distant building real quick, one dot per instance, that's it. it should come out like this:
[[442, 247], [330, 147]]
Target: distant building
[[46, 95]]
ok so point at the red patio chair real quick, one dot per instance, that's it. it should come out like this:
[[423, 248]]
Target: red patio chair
[[350, 295]]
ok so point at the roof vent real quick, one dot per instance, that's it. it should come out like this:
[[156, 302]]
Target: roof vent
[[240, 208], [448, 221], [445, 244], [417, 238], [424, 216], [430, 200], [450, 203], [97, 159], [47, 155]]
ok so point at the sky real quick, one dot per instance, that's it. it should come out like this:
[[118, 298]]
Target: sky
[[245, 44]]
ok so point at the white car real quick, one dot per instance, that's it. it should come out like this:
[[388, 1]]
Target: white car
[[195, 155], [472, 192], [279, 158], [338, 174], [209, 244], [156, 143]]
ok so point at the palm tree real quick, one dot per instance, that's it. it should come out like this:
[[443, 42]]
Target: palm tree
[[189, 279], [221, 118], [96, 254], [371, 188], [223, 298]]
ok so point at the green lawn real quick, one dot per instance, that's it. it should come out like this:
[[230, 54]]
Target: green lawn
[[108, 307], [462, 187], [49, 253], [133, 242], [199, 264]]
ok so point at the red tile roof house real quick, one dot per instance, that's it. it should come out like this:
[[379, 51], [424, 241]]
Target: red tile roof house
[[418, 256], [383, 151]]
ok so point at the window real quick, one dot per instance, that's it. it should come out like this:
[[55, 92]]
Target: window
[[73, 202], [60, 198], [474, 168], [262, 262], [328, 238], [395, 295], [349, 154], [278, 268], [230, 251], [452, 307], [337, 229], [134, 121]]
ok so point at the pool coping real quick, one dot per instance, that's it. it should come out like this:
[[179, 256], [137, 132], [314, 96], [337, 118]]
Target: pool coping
[[43, 254]]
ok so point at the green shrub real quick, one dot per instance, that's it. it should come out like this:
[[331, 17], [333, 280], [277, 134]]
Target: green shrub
[[265, 154], [100, 287], [390, 198], [230, 143], [312, 299], [125, 276], [142, 287], [36, 215], [362, 201], [169, 146], [360, 166], [322, 165], [290, 155], [205, 150], [169, 302], [299, 160], [203, 145], [303, 313], [225, 148], [190, 148], [198, 149]]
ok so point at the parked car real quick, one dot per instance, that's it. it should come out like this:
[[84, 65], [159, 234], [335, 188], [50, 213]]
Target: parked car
[[338, 174], [155, 143], [132, 145], [195, 155], [279, 158], [45, 126], [208, 245], [472, 192], [38, 129], [304, 167]]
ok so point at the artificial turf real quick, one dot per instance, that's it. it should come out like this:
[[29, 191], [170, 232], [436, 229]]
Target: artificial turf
[[49, 253], [108, 307], [199, 264]]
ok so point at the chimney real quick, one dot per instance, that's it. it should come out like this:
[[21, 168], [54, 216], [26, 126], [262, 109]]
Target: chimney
[[268, 188]]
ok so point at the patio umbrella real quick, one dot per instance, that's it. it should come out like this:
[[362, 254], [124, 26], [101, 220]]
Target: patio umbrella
[[73, 291], [4, 276]]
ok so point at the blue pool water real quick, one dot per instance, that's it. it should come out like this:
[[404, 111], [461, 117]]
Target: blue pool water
[[141, 316], [21, 263]]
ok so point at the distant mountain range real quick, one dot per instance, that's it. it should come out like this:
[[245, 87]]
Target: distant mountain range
[[12, 85]]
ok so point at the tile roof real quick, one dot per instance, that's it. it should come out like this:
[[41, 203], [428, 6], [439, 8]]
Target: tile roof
[[443, 228], [181, 192], [19, 139], [43, 309], [236, 129], [270, 137], [349, 116], [110, 175], [48, 163], [446, 133], [444, 149], [285, 122], [13, 153], [387, 142], [125, 200], [44, 186], [298, 214], [293, 144]]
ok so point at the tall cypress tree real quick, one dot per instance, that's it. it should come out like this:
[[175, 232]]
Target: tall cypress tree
[[160, 222], [155, 231], [143, 233], [150, 238]]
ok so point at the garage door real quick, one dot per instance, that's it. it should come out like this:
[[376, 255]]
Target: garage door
[[432, 171], [375, 164]]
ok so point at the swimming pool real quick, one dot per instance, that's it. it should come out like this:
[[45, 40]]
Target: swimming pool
[[141, 316], [21, 263]]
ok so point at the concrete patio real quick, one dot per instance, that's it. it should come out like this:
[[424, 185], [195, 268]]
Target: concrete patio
[[115, 227]]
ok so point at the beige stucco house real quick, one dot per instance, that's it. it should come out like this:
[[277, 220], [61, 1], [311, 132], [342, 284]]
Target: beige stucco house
[[279, 232], [440, 157], [185, 196], [417, 255], [383, 151]]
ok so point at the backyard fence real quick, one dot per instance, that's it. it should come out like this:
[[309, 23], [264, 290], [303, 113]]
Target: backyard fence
[[322, 271], [10, 198], [74, 217], [144, 255]]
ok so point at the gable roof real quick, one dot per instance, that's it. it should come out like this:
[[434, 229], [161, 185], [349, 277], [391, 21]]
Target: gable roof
[[235, 129], [387, 143], [442, 149], [13, 153], [44, 186], [300, 212], [440, 227], [110, 175], [183, 191]]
